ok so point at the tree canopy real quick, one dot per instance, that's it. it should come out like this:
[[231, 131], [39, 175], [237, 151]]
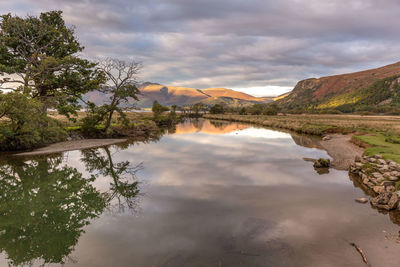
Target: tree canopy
[[40, 54]]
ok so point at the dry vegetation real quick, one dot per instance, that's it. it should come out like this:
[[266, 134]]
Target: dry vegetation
[[320, 124]]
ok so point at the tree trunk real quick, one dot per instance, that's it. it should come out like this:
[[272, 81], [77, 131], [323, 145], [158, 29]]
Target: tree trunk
[[108, 122]]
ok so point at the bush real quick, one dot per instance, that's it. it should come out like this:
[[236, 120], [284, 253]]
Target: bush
[[25, 125], [271, 110], [217, 109]]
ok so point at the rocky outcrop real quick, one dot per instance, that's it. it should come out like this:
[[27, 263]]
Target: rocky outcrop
[[380, 176]]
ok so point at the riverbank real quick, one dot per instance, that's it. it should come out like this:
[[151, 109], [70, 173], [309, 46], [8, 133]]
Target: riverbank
[[376, 134], [341, 149], [72, 145]]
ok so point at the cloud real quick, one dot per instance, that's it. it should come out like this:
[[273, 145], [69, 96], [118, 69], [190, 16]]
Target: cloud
[[232, 43]]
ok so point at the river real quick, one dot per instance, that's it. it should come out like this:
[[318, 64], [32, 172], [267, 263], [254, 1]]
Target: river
[[207, 194]]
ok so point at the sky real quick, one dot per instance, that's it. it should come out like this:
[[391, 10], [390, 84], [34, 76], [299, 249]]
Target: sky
[[262, 47]]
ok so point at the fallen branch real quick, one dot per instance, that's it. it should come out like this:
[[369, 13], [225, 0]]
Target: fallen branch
[[364, 257]]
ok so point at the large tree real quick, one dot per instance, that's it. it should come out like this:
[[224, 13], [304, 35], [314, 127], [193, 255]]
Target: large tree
[[40, 54]]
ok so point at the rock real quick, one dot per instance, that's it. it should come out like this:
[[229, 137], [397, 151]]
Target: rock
[[380, 180], [393, 178], [322, 163], [386, 175], [377, 175], [384, 168], [69, 138], [395, 173], [386, 200], [392, 163], [378, 189], [358, 164], [326, 138], [378, 157], [381, 161], [361, 200], [393, 202], [357, 159], [365, 181], [372, 160], [390, 188], [387, 183]]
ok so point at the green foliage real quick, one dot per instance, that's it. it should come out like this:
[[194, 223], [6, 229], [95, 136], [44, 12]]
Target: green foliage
[[256, 109], [197, 108], [217, 109], [271, 110], [43, 51], [158, 109], [23, 125]]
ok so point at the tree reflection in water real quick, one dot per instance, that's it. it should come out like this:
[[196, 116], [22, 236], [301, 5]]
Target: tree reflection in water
[[124, 186], [45, 204]]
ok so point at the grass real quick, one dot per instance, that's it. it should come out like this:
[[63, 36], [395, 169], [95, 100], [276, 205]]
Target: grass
[[378, 134], [378, 144]]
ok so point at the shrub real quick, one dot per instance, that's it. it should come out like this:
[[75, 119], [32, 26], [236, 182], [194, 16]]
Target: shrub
[[24, 125], [217, 109]]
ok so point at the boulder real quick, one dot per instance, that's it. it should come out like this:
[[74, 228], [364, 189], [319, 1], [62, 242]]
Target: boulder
[[378, 156], [395, 173], [390, 188], [377, 175], [358, 164], [393, 178], [378, 189], [322, 163], [381, 161], [384, 168], [386, 201], [361, 200]]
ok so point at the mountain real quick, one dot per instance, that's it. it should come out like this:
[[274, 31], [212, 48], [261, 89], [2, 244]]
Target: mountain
[[378, 86], [169, 95], [182, 96]]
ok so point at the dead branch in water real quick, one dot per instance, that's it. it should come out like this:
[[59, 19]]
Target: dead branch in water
[[364, 257]]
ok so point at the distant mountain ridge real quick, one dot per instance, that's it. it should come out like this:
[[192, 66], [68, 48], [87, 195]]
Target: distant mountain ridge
[[378, 86], [183, 96]]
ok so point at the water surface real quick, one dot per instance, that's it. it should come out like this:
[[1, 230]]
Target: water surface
[[210, 194]]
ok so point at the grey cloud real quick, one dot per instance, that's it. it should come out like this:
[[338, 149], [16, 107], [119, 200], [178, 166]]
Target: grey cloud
[[233, 43]]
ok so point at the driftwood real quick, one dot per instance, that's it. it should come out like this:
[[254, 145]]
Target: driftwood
[[364, 257]]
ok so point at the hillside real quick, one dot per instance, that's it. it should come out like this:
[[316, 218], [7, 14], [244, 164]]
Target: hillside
[[224, 92], [370, 87], [169, 95], [183, 96]]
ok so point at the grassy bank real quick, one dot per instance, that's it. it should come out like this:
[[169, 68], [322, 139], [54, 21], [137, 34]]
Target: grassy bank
[[378, 134]]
